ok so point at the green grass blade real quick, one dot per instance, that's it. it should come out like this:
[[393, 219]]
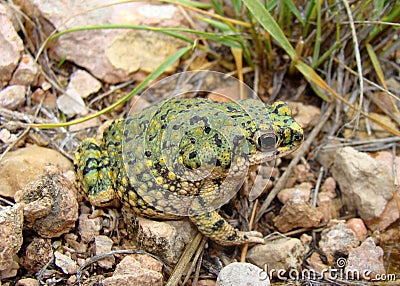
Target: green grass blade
[[152, 76], [269, 24], [376, 64], [292, 7]]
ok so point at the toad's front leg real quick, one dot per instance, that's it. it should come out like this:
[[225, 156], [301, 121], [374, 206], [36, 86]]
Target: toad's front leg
[[92, 167]]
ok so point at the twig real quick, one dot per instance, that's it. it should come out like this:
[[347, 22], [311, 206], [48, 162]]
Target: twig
[[195, 261], [302, 151], [184, 260], [251, 223]]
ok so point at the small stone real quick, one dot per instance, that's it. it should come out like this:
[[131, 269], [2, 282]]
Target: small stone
[[71, 280], [26, 73], [166, 239], [72, 241], [50, 204], [316, 262], [11, 222], [329, 186], [6, 137], [11, 271], [301, 191], [49, 98], [27, 282], [357, 225], [391, 212], [88, 227], [366, 183], [337, 241], [366, 260], [297, 213], [71, 103], [37, 254], [131, 272], [24, 165], [11, 47], [67, 265], [282, 253], [103, 244], [12, 96], [241, 273], [83, 83]]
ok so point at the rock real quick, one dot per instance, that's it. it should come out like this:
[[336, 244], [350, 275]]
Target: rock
[[88, 227], [6, 136], [83, 83], [24, 165], [27, 282], [366, 183], [297, 213], [282, 253], [103, 244], [358, 227], [11, 222], [67, 265], [11, 47], [26, 73], [316, 263], [301, 191], [166, 239], [11, 271], [337, 241], [71, 104], [366, 260], [95, 60], [119, 51], [130, 271], [72, 241], [391, 212], [306, 115], [329, 187], [329, 207], [37, 254], [12, 96], [301, 173], [241, 273], [50, 204]]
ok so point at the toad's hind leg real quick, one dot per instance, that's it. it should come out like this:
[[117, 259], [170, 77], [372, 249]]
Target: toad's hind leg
[[92, 167], [218, 229]]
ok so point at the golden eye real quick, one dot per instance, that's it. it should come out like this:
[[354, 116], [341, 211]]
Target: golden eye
[[266, 142]]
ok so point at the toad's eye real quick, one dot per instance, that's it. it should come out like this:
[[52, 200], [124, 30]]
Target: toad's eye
[[266, 142]]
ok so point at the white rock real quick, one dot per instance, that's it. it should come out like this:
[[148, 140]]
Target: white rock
[[67, 265], [279, 254], [71, 104], [365, 183], [83, 83], [12, 96], [102, 245], [240, 273]]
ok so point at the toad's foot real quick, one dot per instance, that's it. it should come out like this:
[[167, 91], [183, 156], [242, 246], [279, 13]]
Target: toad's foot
[[215, 227]]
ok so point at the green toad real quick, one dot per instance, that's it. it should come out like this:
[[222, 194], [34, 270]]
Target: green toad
[[186, 157]]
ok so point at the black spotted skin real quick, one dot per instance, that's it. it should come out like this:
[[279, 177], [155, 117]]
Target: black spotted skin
[[178, 157]]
